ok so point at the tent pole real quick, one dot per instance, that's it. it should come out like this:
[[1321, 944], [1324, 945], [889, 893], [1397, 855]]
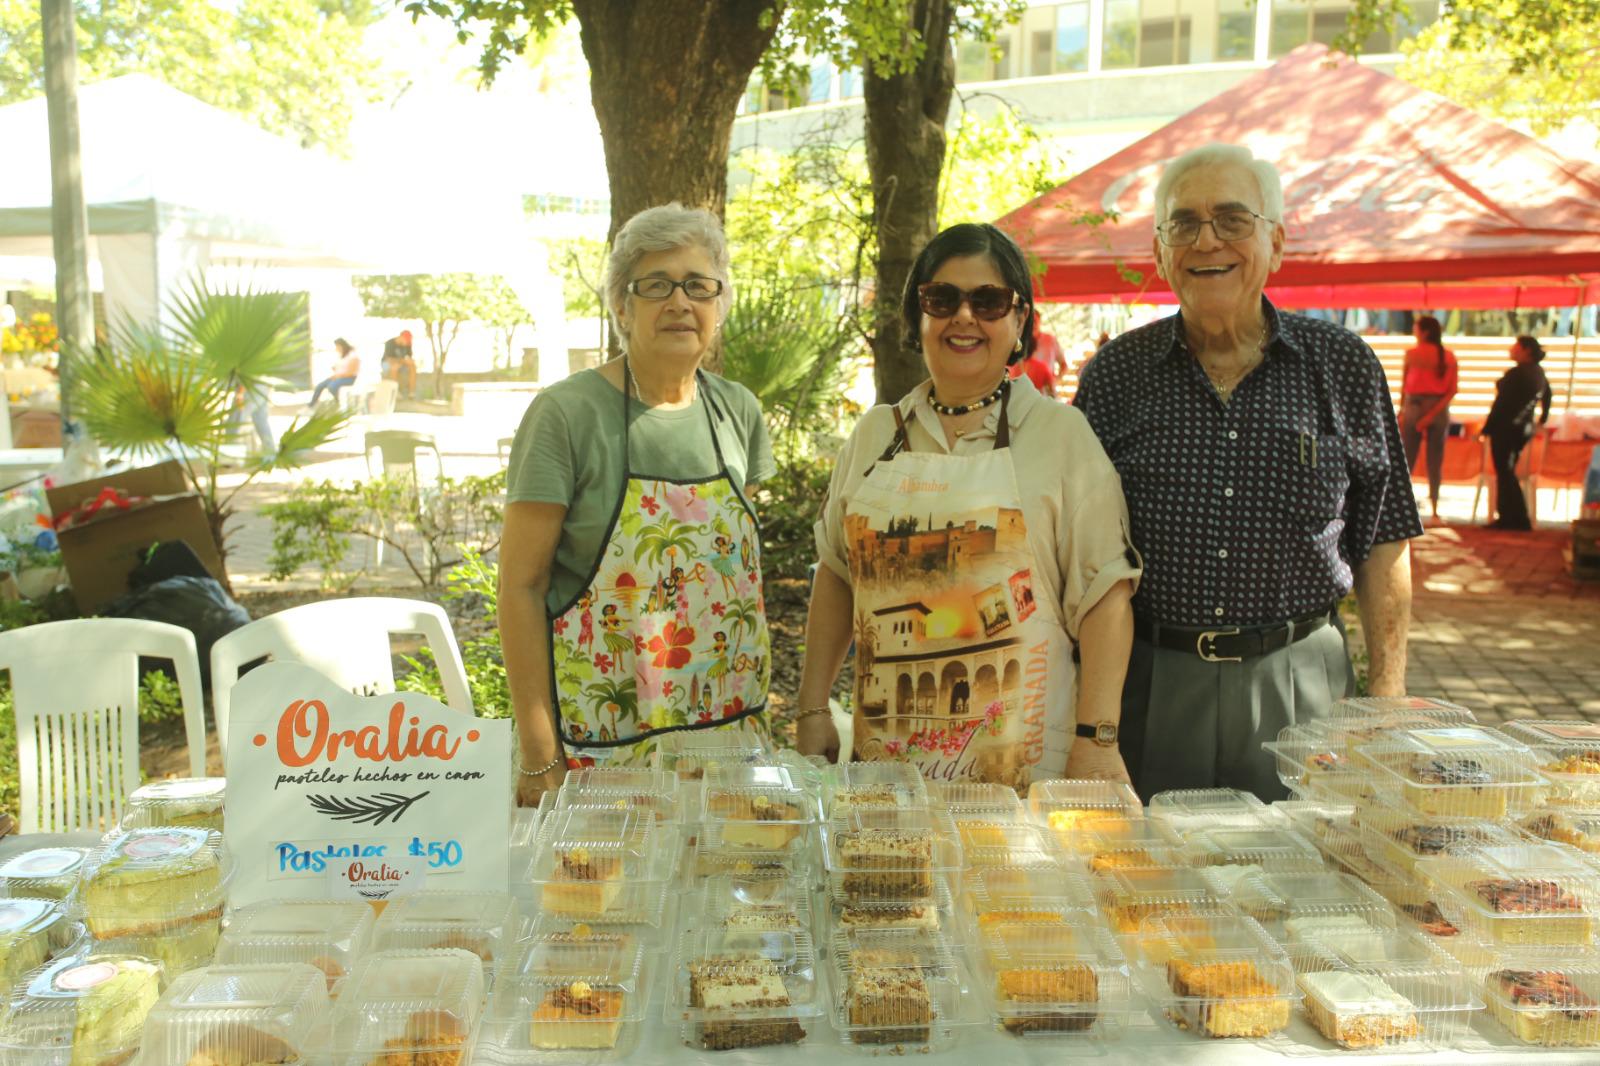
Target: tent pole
[[69, 217], [1577, 338]]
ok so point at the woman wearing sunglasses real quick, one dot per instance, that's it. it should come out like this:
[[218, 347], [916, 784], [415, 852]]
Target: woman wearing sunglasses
[[974, 543], [630, 572]]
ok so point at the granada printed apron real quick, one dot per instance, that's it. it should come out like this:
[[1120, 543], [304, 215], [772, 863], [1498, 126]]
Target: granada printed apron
[[670, 630], [960, 667]]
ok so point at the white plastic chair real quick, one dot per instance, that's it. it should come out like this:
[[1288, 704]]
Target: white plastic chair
[[347, 641], [75, 686]]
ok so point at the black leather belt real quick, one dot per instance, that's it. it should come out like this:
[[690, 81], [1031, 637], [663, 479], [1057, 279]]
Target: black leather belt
[[1229, 644]]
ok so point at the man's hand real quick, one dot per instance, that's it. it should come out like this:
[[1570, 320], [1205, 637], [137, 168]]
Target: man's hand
[[816, 735], [1090, 760], [531, 788]]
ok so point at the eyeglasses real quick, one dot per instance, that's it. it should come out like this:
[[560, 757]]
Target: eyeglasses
[[940, 299], [1227, 225], [661, 288]]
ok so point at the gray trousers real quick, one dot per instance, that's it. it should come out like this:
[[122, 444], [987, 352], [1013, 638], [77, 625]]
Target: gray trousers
[[1188, 723]]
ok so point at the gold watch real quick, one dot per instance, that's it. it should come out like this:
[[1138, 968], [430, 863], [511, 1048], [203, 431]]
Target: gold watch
[[1102, 733]]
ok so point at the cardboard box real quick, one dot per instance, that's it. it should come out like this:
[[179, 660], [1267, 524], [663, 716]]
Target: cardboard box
[[101, 554]]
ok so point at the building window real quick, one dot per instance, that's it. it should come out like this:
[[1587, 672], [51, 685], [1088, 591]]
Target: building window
[[1120, 39], [1002, 59], [973, 62], [849, 83], [1072, 38], [1236, 29], [1297, 22], [1164, 33], [821, 81]]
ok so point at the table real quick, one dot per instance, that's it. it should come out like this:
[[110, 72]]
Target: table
[[21, 464]]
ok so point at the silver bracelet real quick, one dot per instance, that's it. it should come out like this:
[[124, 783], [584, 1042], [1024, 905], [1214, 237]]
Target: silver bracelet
[[541, 771], [811, 712]]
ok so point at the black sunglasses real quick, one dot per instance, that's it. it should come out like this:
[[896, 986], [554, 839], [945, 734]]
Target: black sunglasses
[[940, 299]]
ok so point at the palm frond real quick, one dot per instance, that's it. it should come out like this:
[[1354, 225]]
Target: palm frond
[[238, 333], [146, 398], [296, 444], [779, 340]]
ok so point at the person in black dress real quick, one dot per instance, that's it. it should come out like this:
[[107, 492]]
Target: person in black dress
[[1509, 427]]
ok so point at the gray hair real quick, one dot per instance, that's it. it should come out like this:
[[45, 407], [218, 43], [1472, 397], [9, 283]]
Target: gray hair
[[663, 229], [1223, 155]]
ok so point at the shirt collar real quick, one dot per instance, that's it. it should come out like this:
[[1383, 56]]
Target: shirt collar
[[1279, 340], [914, 406]]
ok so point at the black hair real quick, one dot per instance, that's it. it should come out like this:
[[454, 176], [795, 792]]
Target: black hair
[[341, 343], [1433, 333], [958, 242], [1532, 346]]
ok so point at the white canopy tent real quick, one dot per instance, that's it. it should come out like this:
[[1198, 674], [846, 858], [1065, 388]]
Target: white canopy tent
[[175, 186]]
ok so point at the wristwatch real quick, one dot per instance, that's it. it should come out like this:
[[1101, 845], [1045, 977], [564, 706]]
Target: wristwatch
[[1102, 733]]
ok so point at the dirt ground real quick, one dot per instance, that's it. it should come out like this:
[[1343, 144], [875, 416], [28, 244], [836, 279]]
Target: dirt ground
[[165, 753]]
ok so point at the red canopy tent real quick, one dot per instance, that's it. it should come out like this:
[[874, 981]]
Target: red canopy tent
[[1394, 198]]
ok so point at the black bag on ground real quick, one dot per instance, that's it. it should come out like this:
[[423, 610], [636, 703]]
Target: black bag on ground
[[199, 604]]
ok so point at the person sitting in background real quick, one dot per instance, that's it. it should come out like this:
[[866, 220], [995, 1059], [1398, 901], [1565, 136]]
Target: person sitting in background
[[397, 361], [1509, 427], [1428, 385], [344, 372]]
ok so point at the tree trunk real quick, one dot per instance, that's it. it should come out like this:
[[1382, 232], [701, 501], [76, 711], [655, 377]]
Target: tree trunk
[[666, 78], [905, 117]]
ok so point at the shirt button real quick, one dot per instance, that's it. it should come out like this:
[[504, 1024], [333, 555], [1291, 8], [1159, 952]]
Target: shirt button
[[1233, 434], [1228, 493], [1222, 553], [1217, 612]]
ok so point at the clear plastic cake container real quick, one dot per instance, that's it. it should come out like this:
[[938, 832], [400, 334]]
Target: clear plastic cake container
[[1182, 811], [723, 994], [888, 855], [409, 1005], [996, 893], [484, 923], [544, 927], [1545, 1002], [710, 856], [178, 949], [1566, 752], [238, 1013], [934, 915], [83, 1008], [1068, 810], [1564, 825], [855, 786], [985, 842], [1130, 896], [1276, 848], [622, 788], [43, 873], [1060, 978], [1316, 763], [189, 802], [898, 991], [1275, 895], [1358, 709], [144, 882], [688, 752], [976, 799], [1217, 974], [1375, 944], [578, 1000], [751, 916], [330, 935], [1542, 897], [30, 930], [1389, 1006], [1454, 772], [602, 865], [1400, 838], [758, 807], [1112, 845]]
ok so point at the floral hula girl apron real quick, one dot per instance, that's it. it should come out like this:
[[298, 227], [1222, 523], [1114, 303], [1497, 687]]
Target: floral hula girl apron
[[960, 668], [670, 630]]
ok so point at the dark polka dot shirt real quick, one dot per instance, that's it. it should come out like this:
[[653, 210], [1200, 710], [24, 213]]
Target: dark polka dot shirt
[[1254, 511]]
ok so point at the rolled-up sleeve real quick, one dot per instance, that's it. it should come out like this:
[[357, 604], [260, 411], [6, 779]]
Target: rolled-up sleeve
[[1379, 506], [1095, 549]]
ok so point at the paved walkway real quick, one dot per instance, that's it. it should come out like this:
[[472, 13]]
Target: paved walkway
[[1499, 625]]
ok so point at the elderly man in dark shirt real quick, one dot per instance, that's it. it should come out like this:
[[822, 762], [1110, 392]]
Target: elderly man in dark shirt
[[1264, 475]]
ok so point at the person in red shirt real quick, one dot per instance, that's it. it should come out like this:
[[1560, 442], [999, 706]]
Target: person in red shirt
[[1429, 383], [1040, 365]]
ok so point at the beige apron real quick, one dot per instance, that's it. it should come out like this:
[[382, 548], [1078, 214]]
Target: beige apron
[[676, 602], [960, 667]]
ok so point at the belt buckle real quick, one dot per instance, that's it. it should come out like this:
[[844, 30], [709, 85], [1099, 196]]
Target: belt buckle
[[1211, 635]]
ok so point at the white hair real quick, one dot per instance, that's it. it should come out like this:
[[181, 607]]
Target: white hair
[[1211, 155], [663, 229]]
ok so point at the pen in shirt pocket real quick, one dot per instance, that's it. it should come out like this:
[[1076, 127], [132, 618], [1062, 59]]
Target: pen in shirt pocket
[[1308, 450]]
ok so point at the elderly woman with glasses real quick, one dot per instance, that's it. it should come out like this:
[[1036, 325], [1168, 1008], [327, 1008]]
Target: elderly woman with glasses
[[1264, 475], [630, 574], [974, 546]]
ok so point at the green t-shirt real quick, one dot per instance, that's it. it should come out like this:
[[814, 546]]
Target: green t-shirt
[[568, 450]]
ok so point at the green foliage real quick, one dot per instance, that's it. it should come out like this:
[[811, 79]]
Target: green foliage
[[475, 584], [580, 263], [159, 698], [432, 529], [160, 393], [787, 503], [994, 165], [294, 67], [443, 302], [14, 614], [879, 35], [10, 774]]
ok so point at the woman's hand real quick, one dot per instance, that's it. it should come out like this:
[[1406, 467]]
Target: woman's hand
[[532, 787], [816, 735], [1090, 760]]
